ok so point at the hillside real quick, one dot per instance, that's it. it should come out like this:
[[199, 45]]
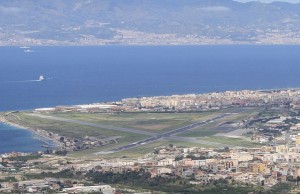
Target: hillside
[[91, 22]]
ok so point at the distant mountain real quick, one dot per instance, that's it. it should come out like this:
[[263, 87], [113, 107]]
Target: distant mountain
[[96, 22]]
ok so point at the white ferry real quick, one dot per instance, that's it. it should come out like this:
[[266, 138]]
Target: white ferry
[[41, 78]]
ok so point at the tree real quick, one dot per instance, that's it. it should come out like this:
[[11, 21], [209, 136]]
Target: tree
[[270, 139], [178, 158]]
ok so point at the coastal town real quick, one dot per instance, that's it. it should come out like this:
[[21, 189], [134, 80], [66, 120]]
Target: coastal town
[[259, 168], [271, 160], [193, 102], [134, 37]]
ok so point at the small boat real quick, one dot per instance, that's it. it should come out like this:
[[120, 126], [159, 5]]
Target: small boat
[[41, 78]]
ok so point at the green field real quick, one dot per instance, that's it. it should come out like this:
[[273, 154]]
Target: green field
[[212, 128], [68, 129], [155, 122], [231, 141], [134, 152]]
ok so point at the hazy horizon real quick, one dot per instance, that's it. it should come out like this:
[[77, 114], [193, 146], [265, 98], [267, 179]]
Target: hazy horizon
[[270, 1]]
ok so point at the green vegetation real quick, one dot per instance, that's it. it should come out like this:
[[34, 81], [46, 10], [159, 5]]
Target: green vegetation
[[232, 141], [213, 128], [281, 188], [156, 122], [148, 148], [199, 132], [24, 158], [292, 121], [162, 184], [70, 174], [170, 183], [73, 130], [271, 112], [64, 128], [62, 174], [134, 152], [152, 122], [8, 179]]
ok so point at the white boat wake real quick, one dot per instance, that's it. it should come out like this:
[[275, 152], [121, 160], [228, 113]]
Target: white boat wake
[[41, 79], [23, 81]]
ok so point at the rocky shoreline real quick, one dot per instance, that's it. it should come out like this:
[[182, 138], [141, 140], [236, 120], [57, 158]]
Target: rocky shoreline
[[37, 133], [61, 143]]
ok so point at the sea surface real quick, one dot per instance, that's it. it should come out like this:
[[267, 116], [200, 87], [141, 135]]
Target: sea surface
[[15, 139], [79, 75]]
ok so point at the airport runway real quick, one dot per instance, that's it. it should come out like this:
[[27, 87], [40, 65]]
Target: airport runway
[[93, 124], [170, 135], [154, 136]]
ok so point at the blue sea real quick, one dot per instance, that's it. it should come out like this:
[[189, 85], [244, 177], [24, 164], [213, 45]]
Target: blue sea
[[78, 75], [15, 139]]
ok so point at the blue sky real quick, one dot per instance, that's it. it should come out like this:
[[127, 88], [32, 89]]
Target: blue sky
[[268, 1]]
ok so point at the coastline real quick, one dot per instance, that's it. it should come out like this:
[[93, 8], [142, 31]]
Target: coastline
[[253, 97], [36, 134], [153, 96]]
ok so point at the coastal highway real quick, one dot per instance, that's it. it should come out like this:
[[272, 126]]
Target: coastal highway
[[154, 136]]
